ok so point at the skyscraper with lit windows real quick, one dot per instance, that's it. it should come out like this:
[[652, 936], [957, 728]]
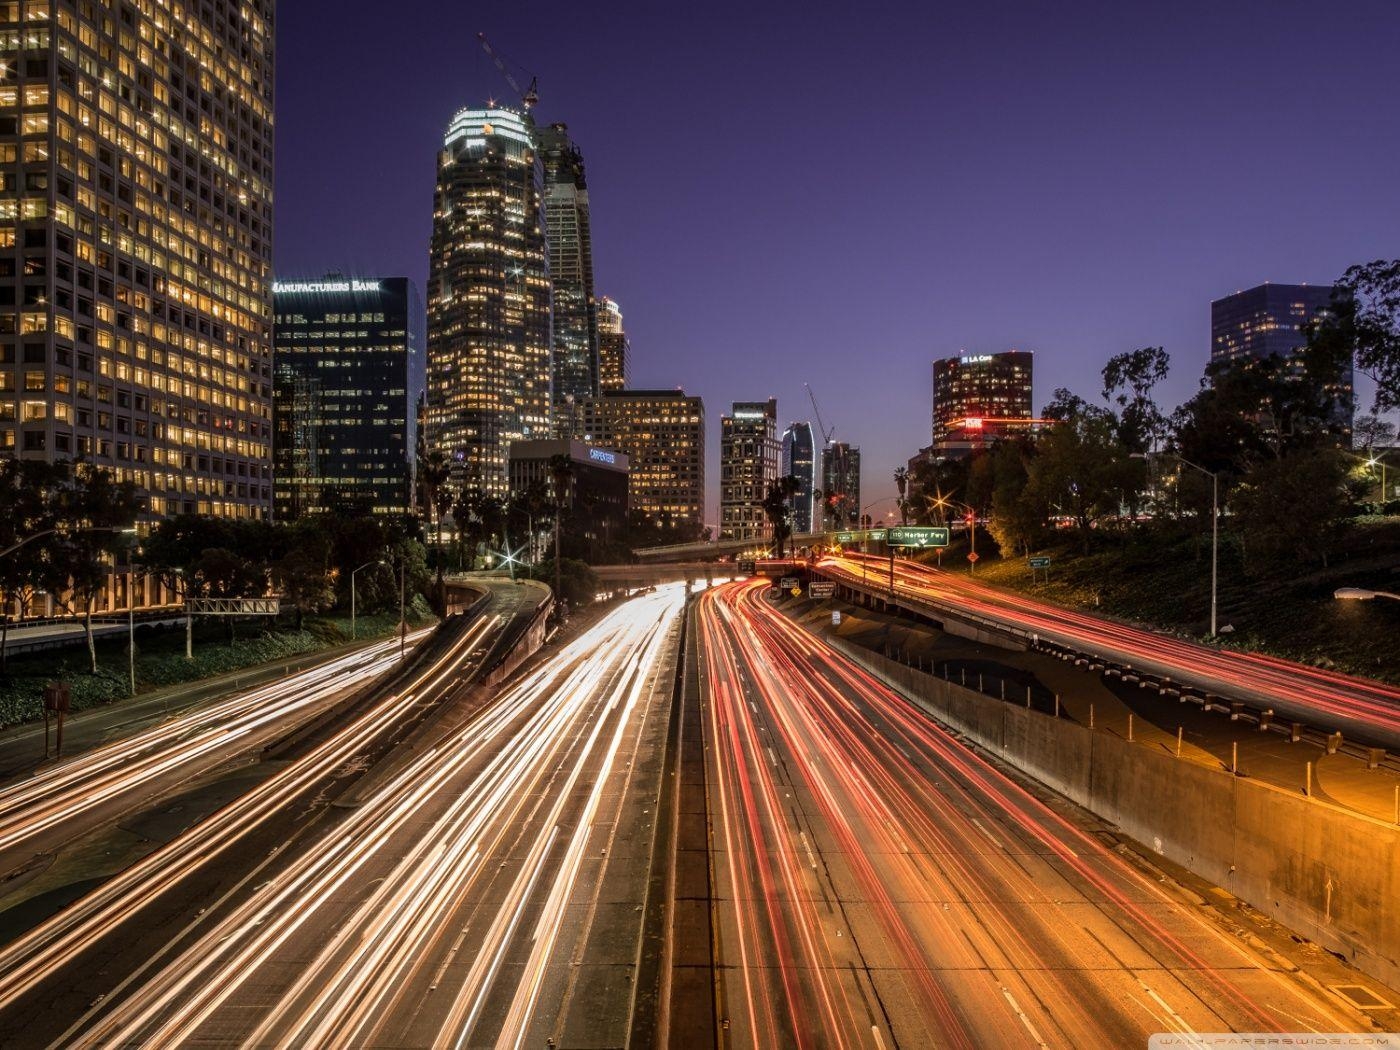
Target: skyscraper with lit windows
[[799, 461], [749, 454], [613, 350], [489, 331], [569, 235], [136, 159], [980, 397]]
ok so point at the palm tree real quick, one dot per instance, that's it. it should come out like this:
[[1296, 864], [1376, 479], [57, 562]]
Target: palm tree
[[901, 480], [436, 498], [561, 470], [777, 505]]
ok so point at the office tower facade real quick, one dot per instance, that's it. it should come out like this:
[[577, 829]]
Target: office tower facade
[[613, 351], [348, 371], [1265, 321], [799, 461], [662, 433], [596, 497], [489, 342], [840, 491], [136, 228], [980, 397], [1271, 320], [749, 455], [570, 240]]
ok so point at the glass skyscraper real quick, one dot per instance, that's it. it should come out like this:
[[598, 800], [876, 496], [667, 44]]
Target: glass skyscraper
[[347, 375], [840, 499], [799, 461], [570, 242], [489, 339], [136, 159]]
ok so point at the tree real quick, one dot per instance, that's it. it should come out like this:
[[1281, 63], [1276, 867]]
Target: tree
[[1018, 513], [1371, 430], [302, 577], [94, 512], [435, 496], [561, 471], [901, 482], [1128, 381], [777, 506], [27, 510], [1080, 468], [1292, 509], [1366, 322]]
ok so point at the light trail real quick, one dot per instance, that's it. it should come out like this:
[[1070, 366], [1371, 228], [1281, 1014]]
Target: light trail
[[57, 795], [387, 904], [1001, 917], [42, 952], [1293, 690]]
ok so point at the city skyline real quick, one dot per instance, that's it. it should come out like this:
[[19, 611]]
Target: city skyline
[[1050, 234]]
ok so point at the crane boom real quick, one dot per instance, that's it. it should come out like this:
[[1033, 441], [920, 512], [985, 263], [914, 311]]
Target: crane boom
[[826, 434], [528, 97]]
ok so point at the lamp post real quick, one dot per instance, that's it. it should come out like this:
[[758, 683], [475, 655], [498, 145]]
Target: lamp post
[[1373, 460], [944, 502], [403, 623], [865, 540], [1214, 524], [49, 532], [1361, 594], [366, 565]]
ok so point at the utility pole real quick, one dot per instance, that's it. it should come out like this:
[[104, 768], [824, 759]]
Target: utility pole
[[403, 623]]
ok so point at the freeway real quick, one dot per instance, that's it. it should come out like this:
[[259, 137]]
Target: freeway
[[477, 886], [66, 798], [1362, 709], [880, 884]]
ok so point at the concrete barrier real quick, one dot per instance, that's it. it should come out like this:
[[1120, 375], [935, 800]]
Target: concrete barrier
[[1326, 873]]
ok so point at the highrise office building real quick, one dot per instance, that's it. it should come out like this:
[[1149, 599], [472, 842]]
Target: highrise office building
[[799, 461], [662, 433], [1271, 320], [489, 343], [347, 376], [840, 499], [980, 397], [613, 351], [136, 151], [570, 242], [749, 453], [1266, 321]]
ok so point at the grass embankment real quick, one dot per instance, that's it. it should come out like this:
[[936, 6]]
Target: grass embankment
[[1286, 610], [160, 658]]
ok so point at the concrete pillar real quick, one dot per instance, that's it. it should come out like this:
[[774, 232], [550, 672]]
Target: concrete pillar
[[1295, 734], [1374, 757], [1236, 709], [1334, 742]]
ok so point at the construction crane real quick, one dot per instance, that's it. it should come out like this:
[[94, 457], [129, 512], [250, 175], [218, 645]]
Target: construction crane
[[826, 434], [530, 96]]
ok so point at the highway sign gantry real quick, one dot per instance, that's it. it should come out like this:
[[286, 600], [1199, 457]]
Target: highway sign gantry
[[919, 536]]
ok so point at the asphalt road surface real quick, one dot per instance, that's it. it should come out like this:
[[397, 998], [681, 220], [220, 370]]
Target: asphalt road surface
[[878, 884], [481, 886]]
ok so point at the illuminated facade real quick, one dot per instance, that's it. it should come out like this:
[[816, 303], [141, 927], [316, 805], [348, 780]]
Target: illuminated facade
[[570, 240], [612, 347], [749, 454], [136, 149], [980, 397], [840, 491], [489, 343], [1270, 321], [799, 461], [597, 489], [662, 433], [347, 376]]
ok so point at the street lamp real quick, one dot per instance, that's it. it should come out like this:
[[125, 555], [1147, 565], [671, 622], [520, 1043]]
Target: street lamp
[[366, 565], [1214, 524], [1361, 594], [49, 532], [1372, 460], [944, 502]]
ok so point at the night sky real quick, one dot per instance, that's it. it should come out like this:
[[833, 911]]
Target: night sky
[[789, 193]]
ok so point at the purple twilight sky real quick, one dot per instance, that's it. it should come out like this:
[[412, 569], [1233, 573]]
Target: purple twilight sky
[[838, 194]]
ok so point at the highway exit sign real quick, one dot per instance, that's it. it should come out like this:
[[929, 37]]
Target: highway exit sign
[[1040, 563], [919, 536]]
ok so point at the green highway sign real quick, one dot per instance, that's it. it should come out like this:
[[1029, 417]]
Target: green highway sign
[[919, 536], [1040, 563], [845, 539]]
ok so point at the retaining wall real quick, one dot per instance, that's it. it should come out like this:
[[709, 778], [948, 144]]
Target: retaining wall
[[1326, 873]]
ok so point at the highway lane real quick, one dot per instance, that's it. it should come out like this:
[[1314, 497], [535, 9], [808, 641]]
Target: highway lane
[[879, 884], [1360, 708], [464, 888], [63, 800], [37, 967]]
